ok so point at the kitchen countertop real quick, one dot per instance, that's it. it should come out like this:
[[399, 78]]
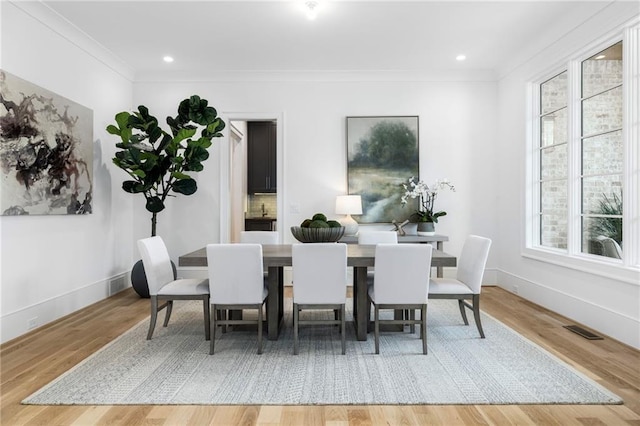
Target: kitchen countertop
[[260, 218]]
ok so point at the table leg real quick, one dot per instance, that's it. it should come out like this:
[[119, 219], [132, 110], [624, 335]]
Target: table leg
[[439, 269], [360, 301], [275, 301]]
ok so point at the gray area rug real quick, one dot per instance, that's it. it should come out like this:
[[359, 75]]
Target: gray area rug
[[461, 368]]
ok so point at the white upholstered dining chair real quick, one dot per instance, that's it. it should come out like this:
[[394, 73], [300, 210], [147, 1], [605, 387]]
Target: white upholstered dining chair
[[468, 282], [236, 281], [377, 237], [163, 286], [260, 237], [319, 282], [401, 281]]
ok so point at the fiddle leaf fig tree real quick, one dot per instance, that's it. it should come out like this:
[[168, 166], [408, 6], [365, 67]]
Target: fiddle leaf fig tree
[[159, 162]]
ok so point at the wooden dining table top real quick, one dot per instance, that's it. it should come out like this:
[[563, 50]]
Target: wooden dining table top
[[278, 255]]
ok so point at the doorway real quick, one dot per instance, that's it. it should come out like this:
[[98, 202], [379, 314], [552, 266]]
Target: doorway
[[237, 201]]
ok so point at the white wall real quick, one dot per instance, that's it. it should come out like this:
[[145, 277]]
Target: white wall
[[238, 177], [55, 265], [457, 141], [606, 304]]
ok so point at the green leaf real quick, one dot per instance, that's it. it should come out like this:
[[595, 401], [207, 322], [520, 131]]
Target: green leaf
[[113, 130], [184, 134], [135, 122], [154, 204], [122, 119], [216, 126], [154, 134], [125, 134], [199, 153], [203, 142], [180, 175], [185, 186], [131, 186], [144, 111], [209, 115], [139, 173]]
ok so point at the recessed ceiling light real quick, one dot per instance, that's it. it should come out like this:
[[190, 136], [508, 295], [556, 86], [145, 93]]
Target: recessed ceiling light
[[311, 9], [461, 58], [600, 57], [168, 59]]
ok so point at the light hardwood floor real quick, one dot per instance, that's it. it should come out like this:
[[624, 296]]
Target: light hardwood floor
[[31, 361]]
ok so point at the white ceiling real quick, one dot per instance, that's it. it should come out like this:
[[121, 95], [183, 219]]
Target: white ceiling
[[416, 36]]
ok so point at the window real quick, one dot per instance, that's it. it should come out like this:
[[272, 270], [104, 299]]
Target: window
[[552, 214], [585, 160], [602, 153]]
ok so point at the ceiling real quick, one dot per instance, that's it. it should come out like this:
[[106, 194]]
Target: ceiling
[[249, 36]]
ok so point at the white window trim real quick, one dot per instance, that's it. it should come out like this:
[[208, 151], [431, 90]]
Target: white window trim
[[628, 269]]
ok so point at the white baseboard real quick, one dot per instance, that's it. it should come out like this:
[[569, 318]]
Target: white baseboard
[[600, 318], [21, 321]]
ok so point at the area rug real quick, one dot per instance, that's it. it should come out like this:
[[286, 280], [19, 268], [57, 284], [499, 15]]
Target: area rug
[[175, 367]]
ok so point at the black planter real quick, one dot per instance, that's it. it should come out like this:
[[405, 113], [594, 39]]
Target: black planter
[[139, 279]]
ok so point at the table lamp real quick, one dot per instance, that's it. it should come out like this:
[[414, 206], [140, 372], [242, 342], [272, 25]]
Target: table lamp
[[349, 204]]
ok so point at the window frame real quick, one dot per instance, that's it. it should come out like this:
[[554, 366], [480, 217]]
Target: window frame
[[627, 268]]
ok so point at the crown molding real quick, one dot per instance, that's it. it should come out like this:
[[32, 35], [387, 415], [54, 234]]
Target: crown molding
[[318, 75], [74, 35]]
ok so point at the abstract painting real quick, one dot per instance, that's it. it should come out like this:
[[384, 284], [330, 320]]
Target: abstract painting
[[46, 151], [382, 153]]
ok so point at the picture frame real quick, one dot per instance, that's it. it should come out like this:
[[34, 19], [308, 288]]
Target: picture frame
[[46, 151], [382, 154]]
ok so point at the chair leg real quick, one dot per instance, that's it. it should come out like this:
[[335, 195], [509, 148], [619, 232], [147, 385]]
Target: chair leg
[[476, 314], [223, 315], [406, 316], [463, 312], [423, 328], [168, 313], [212, 330], [343, 327], [369, 316], [376, 331], [260, 330], [412, 317], [154, 316], [207, 315], [295, 328]]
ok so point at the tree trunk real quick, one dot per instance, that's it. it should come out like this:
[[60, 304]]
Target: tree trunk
[[153, 224]]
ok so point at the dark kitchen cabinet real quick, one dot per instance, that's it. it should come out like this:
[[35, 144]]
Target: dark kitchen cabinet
[[261, 157], [261, 224]]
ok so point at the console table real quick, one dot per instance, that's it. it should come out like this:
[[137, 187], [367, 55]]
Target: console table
[[415, 239]]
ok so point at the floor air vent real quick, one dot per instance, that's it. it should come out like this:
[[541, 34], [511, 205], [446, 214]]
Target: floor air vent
[[116, 285], [582, 332]]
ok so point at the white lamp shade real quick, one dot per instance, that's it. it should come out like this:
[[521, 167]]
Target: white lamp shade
[[348, 204]]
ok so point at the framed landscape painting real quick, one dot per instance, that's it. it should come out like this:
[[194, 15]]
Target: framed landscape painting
[[382, 154], [46, 151]]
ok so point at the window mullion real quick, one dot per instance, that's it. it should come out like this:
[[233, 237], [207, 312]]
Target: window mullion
[[574, 154], [631, 137]]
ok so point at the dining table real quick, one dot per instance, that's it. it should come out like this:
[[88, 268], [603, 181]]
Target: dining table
[[278, 256]]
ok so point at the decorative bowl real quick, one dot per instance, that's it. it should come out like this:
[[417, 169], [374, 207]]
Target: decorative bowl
[[317, 235]]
